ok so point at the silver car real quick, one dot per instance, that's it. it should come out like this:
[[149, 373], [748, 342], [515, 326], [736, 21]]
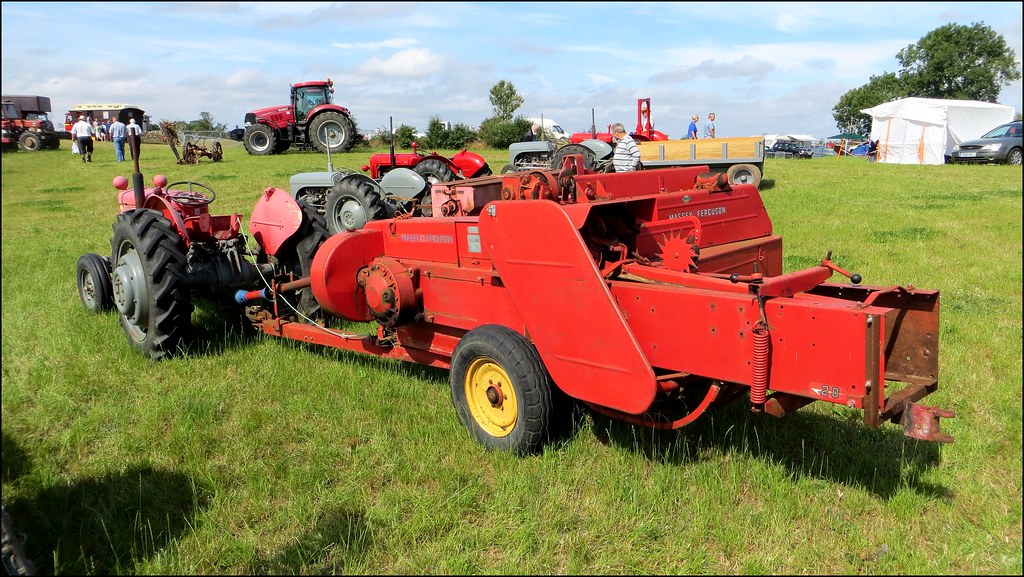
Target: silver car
[[1001, 145]]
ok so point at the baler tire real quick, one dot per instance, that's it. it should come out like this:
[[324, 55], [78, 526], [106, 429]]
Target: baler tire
[[94, 289], [744, 174], [345, 127], [259, 140], [341, 215], [159, 319], [509, 168], [520, 422]]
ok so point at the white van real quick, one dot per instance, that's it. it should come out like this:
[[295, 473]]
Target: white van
[[552, 131]]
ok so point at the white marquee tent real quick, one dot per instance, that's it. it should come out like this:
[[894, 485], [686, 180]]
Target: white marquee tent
[[924, 130]]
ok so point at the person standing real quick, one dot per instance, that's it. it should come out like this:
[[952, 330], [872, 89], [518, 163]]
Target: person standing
[[709, 126], [531, 136], [82, 133], [134, 136], [117, 132], [691, 131], [627, 153]]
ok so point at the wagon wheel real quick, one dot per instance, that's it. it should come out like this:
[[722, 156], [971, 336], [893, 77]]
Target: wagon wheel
[[218, 152], [192, 197], [501, 390], [94, 283], [149, 283]]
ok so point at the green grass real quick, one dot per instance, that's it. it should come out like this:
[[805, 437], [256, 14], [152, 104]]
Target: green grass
[[258, 455]]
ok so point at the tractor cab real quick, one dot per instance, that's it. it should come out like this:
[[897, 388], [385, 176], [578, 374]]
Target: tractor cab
[[309, 95]]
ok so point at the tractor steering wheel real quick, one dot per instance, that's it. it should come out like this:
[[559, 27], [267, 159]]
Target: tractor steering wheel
[[191, 197]]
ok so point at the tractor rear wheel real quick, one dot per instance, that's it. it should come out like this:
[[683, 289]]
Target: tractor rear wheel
[[501, 390], [433, 171], [259, 140], [296, 257], [149, 283], [588, 156], [29, 141], [744, 174], [351, 204], [94, 283], [332, 130]]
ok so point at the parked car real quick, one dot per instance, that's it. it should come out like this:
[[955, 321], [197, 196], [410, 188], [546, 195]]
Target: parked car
[[785, 146], [1001, 145]]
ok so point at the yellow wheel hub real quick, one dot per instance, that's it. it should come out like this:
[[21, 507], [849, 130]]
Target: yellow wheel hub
[[491, 397]]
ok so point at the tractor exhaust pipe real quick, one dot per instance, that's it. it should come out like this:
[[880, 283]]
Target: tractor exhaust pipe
[[140, 188], [391, 128]]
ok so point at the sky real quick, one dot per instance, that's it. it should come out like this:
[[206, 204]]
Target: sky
[[762, 68]]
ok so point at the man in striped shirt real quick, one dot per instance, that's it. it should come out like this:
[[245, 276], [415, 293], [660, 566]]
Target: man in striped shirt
[[627, 154]]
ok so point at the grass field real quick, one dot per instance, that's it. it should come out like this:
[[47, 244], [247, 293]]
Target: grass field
[[259, 455]]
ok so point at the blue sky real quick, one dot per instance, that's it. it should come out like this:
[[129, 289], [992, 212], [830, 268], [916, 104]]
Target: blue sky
[[763, 68]]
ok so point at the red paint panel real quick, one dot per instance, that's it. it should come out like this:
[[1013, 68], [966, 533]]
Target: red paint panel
[[275, 218], [582, 337]]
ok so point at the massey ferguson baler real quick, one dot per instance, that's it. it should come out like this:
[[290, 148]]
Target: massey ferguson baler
[[648, 296]]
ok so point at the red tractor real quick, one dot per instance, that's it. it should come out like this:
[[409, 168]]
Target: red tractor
[[643, 132], [311, 120], [433, 167], [648, 296], [27, 125]]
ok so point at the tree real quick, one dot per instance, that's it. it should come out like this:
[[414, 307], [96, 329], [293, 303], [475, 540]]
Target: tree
[[879, 89], [959, 63], [953, 62], [205, 124], [505, 100]]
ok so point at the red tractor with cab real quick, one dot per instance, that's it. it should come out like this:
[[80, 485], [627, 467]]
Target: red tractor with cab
[[311, 120]]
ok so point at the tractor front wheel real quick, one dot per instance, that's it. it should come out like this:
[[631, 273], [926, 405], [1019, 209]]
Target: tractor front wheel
[[501, 390], [259, 140], [149, 283], [29, 141], [332, 130], [351, 204], [94, 283]]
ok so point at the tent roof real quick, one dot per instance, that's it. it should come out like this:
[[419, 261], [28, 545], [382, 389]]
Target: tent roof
[[930, 110], [848, 136]]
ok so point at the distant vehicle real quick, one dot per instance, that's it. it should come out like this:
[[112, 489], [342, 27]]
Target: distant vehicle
[[27, 125], [236, 134], [103, 112], [552, 131], [1001, 145], [787, 147]]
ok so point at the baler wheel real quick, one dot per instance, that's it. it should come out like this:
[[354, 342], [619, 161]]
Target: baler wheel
[[94, 283], [149, 283], [744, 174], [501, 390]]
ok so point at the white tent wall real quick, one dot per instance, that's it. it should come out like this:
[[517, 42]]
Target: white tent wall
[[924, 130]]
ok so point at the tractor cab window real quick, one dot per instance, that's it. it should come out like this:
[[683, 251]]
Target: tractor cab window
[[307, 99], [10, 111]]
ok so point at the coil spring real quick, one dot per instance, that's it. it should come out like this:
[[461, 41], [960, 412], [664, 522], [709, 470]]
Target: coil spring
[[759, 365]]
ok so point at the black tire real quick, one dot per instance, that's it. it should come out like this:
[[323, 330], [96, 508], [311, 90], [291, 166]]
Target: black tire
[[744, 174], [1013, 157], [588, 156], [485, 171], [296, 257], [433, 171], [516, 415], [351, 204], [29, 142], [218, 152], [93, 273], [149, 283], [509, 168], [332, 129], [259, 140], [281, 146]]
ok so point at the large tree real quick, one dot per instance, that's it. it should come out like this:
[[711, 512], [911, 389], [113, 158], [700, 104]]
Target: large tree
[[505, 100], [847, 112], [959, 63], [953, 62]]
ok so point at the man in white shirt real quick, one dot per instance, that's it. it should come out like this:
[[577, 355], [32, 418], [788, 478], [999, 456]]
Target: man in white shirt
[[82, 132]]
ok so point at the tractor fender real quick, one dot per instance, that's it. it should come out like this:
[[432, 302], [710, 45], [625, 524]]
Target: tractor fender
[[470, 164], [336, 265], [402, 183], [601, 149], [163, 205], [275, 218], [313, 113]]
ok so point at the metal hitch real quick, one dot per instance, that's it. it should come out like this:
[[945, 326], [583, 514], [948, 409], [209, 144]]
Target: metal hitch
[[922, 422]]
